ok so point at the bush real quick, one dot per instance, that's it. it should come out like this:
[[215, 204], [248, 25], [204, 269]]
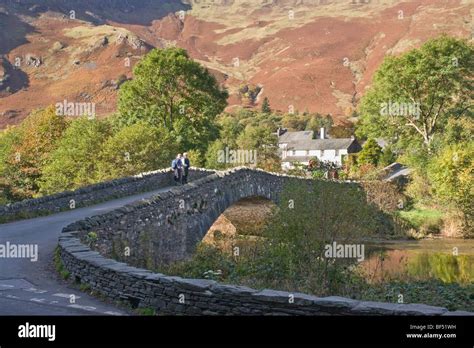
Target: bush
[[135, 149], [385, 195], [309, 217]]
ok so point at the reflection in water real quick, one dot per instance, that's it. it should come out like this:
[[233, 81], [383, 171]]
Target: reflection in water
[[445, 267], [384, 265]]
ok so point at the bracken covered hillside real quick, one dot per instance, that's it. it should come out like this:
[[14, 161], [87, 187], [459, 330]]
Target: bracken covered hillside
[[309, 55]]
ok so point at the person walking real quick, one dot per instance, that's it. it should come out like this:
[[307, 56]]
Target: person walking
[[177, 166], [186, 166]]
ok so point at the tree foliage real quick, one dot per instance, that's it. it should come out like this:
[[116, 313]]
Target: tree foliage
[[135, 149], [310, 216], [452, 177], [74, 162], [370, 154], [266, 109], [264, 142], [26, 149], [172, 91], [434, 80]]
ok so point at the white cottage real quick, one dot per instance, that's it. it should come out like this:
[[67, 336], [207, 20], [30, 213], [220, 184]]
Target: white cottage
[[301, 147]]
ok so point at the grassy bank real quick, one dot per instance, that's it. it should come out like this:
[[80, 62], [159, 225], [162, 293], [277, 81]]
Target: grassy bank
[[211, 263]]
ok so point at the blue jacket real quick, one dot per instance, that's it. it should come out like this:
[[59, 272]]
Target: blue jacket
[[176, 163]]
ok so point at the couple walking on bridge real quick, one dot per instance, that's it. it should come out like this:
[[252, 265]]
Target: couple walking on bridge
[[180, 166]]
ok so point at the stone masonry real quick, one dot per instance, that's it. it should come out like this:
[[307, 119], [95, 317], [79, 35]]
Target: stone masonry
[[174, 222], [96, 193]]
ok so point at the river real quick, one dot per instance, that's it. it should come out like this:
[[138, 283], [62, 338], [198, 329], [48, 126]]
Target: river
[[448, 260]]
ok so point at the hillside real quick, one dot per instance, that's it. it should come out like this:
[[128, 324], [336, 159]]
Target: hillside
[[312, 55]]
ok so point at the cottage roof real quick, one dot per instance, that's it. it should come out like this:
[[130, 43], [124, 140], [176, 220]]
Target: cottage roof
[[289, 137], [396, 171], [321, 144]]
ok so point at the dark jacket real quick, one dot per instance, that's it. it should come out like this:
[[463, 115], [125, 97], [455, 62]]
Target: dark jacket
[[186, 166]]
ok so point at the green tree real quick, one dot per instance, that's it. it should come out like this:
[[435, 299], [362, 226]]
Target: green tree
[[451, 173], [213, 160], [266, 106], [135, 149], [412, 96], [457, 130], [8, 138], [317, 121], [230, 128], [264, 142], [197, 159], [171, 90], [370, 154], [74, 162]]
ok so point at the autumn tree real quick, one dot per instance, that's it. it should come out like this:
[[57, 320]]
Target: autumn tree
[[29, 149], [74, 162]]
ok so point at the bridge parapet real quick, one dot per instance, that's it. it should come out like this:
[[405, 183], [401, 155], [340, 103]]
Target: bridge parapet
[[92, 194]]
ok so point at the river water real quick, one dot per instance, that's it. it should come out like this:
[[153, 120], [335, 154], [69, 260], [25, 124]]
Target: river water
[[448, 260]]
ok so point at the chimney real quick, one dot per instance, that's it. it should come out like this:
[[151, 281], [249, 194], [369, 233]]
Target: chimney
[[280, 131], [323, 133]]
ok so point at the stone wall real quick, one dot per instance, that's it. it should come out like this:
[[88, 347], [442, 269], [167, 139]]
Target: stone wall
[[178, 296], [93, 194], [175, 222]]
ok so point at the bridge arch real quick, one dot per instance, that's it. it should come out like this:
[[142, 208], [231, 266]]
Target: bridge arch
[[242, 221], [168, 227]]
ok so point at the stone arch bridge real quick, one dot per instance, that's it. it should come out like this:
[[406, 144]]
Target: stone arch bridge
[[167, 227]]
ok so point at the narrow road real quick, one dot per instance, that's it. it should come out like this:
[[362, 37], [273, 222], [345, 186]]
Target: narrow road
[[34, 288]]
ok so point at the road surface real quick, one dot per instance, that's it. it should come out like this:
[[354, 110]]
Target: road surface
[[33, 287]]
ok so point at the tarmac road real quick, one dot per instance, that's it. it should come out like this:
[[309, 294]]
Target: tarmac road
[[34, 288]]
